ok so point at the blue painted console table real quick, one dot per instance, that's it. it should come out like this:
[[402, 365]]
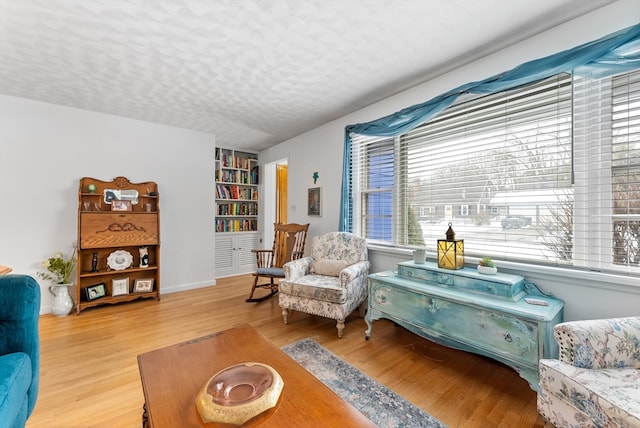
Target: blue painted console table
[[501, 316]]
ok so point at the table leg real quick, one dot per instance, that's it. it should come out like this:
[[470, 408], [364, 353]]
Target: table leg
[[145, 416]]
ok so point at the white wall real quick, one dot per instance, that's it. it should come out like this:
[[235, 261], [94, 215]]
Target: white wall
[[45, 149], [322, 150]]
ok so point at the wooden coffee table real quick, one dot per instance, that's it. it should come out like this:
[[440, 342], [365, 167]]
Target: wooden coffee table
[[173, 376]]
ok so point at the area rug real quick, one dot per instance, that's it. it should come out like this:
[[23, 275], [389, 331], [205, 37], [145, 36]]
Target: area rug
[[378, 403]]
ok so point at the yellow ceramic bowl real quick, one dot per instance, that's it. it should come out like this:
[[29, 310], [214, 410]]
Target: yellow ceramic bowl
[[238, 393]]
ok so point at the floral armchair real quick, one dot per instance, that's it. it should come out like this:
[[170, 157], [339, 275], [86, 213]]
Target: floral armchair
[[331, 282], [596, 381]]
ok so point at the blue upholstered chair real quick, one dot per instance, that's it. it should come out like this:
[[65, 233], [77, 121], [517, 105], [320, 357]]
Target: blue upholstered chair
[[19, 348]]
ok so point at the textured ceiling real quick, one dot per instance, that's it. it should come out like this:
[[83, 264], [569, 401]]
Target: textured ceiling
[[254, 73]]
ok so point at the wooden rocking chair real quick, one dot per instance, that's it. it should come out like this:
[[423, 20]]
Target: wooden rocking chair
[[288, 244]]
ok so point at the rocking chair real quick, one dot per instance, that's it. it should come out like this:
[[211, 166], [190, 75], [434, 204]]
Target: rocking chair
[[288, 245]]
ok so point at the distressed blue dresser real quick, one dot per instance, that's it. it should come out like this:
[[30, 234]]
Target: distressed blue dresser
[[501, 316]]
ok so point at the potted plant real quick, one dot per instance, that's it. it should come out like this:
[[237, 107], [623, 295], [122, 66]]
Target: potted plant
[[59, 270], [486, 266]]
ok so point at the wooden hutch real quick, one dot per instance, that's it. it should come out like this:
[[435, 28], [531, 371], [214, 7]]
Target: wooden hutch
[[118, 242]]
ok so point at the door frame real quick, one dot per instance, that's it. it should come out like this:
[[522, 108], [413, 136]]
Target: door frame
[[269, 198]]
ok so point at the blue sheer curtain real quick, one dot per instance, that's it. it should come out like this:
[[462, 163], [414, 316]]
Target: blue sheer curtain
[[612, 54]]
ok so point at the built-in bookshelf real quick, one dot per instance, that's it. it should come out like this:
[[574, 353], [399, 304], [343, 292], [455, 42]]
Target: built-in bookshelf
[[237, 177]]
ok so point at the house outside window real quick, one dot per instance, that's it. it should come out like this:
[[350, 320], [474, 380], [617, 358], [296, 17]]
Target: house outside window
[[520, 175]]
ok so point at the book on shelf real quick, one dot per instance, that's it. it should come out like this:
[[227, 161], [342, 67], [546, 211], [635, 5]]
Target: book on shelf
[[238, 209], [236, 225], [224, 191]]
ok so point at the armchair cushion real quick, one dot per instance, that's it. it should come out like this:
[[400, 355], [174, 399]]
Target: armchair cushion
[[328, 267], [316, 287]]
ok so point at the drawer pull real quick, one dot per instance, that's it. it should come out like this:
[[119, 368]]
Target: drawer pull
[[443, 278]]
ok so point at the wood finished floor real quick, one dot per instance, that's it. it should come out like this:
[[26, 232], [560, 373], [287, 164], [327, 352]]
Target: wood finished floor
[[89, 374]]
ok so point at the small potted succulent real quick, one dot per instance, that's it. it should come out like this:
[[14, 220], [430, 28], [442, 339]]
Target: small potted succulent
[[486, 266]]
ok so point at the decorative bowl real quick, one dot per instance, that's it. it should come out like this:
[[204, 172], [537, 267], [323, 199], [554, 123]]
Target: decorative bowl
[[238, 393]]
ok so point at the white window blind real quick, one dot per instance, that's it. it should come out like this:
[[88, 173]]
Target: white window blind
[[545, 173], [626, 170], [509, 151], [607, 157], [375, 165]]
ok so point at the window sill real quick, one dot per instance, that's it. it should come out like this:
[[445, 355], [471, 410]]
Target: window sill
[[547, 273]]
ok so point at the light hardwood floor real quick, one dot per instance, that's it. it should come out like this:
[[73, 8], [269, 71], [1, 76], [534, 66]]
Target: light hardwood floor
[[89, 373]]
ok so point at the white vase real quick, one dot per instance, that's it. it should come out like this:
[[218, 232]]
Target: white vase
[[62, 303], [419, 256]]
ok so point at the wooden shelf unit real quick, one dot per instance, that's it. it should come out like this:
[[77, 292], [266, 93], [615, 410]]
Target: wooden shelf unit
[[237, 197], [237, 179], [101, 231]]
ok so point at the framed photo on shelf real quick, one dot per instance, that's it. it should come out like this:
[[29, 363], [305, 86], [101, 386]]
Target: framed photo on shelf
[[97, 291], [143, 285], [314, 201], [120, 205], [120, 287]]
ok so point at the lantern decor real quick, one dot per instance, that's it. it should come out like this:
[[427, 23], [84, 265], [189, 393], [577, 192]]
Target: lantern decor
[[451, 251]]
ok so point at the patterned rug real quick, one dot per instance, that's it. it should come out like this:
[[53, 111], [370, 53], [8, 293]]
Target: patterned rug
[[379, 404]]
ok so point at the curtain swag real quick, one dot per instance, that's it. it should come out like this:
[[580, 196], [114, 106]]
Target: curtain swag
[[613, 54]]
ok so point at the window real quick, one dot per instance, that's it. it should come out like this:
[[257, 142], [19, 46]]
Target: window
[[548, 172], [626, 169], [376, 196], [607, 167]]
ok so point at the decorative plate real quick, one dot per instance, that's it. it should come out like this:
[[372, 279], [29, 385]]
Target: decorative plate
[[238, 393], [120, 260]]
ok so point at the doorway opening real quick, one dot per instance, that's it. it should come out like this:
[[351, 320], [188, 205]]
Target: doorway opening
[[275, 196]]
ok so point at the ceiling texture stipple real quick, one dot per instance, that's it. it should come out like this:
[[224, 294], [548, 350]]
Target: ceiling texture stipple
[[254, 73]]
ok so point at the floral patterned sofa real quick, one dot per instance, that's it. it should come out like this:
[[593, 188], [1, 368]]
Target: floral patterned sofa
[[596, 381], [331, 282]]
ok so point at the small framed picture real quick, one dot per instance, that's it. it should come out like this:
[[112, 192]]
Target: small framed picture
[[120, 205], [120, 287], [314, 201], [143, 285], [97, 291]]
